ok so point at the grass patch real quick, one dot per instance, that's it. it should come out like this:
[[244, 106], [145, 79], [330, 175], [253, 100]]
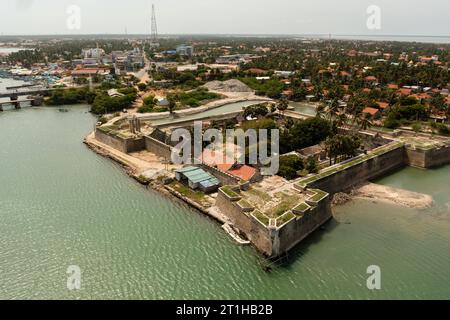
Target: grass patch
[[287, 202], [318, 196], [303, 207], [260, 194], [194, 98], [285, 218], [244, 204], [261, 217], [196, 196], [229, 192], [108, 129]]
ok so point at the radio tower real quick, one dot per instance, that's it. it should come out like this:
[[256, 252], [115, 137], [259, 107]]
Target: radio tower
[[154, 38]]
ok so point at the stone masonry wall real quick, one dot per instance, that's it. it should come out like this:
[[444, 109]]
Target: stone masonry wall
[[158, 148], [292, 233], [121, 144], [257, 233], [423, 158], [347, 178]]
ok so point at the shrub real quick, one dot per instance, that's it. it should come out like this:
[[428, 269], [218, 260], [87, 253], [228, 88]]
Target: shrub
[[417, 127], [443, 129], [287, 172], [289, 166], [304, 133], [193, 98], [142, 86], [150, 101], [312, 166], [391, 122], [145, 109], [106, 104], [70, 96]]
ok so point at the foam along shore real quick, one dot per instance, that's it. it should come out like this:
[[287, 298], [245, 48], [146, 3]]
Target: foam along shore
[[401, 197]]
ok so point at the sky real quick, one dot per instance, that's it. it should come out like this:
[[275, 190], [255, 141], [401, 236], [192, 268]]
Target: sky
[[337, 17]]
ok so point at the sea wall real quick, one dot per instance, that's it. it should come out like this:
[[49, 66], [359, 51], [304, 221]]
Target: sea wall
[[296, 230], [373, 168], [125, 145], [428, 158], [256, 232], [274, 241]]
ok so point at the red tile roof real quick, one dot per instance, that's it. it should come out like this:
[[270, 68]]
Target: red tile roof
[[371, 78], [245, 172], [404, 91], [393, 86], [85, 71], [371, 110], [225, 164], [383, 105]]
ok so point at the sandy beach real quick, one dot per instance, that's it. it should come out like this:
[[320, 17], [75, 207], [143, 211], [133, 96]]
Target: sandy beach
[[401, 197]]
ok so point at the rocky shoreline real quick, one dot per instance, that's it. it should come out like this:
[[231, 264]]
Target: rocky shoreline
[[154, 184]]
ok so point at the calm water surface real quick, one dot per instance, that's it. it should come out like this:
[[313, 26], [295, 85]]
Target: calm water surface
[[61, 205], [227, 108], [305, 108]]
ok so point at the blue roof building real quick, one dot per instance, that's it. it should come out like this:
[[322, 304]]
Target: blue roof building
[[198, 178]]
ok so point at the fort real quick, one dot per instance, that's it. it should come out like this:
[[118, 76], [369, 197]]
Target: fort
[[273, 214]]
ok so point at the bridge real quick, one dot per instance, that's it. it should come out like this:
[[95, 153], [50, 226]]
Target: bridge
[[33, 100], [14, 94]]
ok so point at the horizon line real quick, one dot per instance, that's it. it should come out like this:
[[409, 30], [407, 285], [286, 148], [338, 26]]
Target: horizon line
[[229, 34]]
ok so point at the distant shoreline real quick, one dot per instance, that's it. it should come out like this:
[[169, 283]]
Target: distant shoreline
[[432, 39]]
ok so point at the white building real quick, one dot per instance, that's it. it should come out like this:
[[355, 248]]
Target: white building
[[184, 50], [93, 53]]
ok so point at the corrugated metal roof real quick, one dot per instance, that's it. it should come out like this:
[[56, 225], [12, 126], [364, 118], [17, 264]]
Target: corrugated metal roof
[[198, 175], [187, 169]]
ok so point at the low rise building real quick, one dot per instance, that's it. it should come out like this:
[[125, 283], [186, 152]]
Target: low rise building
[[197, 178], [184, 50]]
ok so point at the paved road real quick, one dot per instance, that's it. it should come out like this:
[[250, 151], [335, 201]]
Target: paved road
[[142, 74]]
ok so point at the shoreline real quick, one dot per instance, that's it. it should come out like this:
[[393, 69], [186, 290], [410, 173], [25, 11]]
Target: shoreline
[[385, 194], [134, 170]]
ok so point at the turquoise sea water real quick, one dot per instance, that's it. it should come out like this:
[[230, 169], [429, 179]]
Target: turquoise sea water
[[61, 205]]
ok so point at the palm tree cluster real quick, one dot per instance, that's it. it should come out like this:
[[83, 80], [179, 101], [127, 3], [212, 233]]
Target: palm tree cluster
[[342, 147], [350, 115]]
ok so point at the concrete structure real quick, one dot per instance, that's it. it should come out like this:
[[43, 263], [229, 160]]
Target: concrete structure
[[275, 237], [197, 178], [345, 175], [275, 232], [184, 50], [125, 145], [93, 53], [128, 61], [422, 157]]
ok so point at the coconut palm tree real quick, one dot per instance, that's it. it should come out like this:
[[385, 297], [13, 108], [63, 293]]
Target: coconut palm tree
[[365, 121], [172, 105], [283, 105]]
